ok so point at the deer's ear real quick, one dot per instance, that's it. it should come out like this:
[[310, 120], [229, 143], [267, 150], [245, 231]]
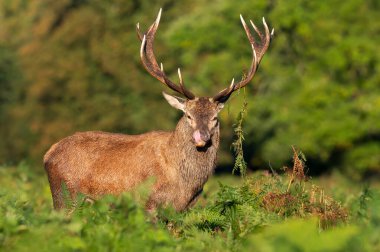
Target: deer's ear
[[175, 102]]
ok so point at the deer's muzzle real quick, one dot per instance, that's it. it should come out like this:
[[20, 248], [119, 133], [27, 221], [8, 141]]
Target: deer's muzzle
[[200, 138]]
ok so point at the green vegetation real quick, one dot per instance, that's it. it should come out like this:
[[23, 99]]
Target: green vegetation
[[261, 213], [74, 65]]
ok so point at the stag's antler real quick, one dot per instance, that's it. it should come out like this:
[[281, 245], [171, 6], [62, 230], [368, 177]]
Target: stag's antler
[[150, 63], [258, 50]]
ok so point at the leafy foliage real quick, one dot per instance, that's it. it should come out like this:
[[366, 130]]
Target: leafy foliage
[[234, 218]]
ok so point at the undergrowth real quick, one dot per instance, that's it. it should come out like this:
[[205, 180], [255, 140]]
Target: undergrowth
[[261, 213]]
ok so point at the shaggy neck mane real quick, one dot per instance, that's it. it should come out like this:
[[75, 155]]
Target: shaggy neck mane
[[195, 165]]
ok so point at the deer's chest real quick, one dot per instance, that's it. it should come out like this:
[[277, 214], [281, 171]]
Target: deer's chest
[[196, 168]]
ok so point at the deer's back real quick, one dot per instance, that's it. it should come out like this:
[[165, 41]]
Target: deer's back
[[99, 162]]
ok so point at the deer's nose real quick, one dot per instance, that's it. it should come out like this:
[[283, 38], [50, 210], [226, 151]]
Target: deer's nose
[[201, 138]]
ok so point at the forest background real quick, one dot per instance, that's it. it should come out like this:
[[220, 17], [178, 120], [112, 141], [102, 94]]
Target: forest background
[[73, 65]]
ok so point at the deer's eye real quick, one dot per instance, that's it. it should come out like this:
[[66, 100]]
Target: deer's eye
[[189, 117], [214, 118]]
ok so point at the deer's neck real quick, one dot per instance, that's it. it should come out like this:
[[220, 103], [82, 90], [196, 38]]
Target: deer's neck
[[194, 165]]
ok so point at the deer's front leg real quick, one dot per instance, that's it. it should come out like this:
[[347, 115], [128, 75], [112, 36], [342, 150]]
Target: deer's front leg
[[172, 196], [162, 194], [194, 199]]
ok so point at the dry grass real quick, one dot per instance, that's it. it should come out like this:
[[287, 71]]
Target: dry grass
[[302, 198]]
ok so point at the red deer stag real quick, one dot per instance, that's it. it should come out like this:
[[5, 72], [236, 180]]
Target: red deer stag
[[96, 163]]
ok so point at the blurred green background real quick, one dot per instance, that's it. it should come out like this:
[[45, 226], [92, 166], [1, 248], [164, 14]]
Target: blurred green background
[[73, 65]]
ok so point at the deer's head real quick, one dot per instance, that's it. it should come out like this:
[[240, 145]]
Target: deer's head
[[201, 112]]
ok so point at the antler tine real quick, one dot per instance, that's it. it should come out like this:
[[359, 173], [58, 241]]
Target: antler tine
[[258, 50], [256, 29], [139, 35], [149, 59], [223, 95], [180, 77], [186, 92], [268, 37]]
